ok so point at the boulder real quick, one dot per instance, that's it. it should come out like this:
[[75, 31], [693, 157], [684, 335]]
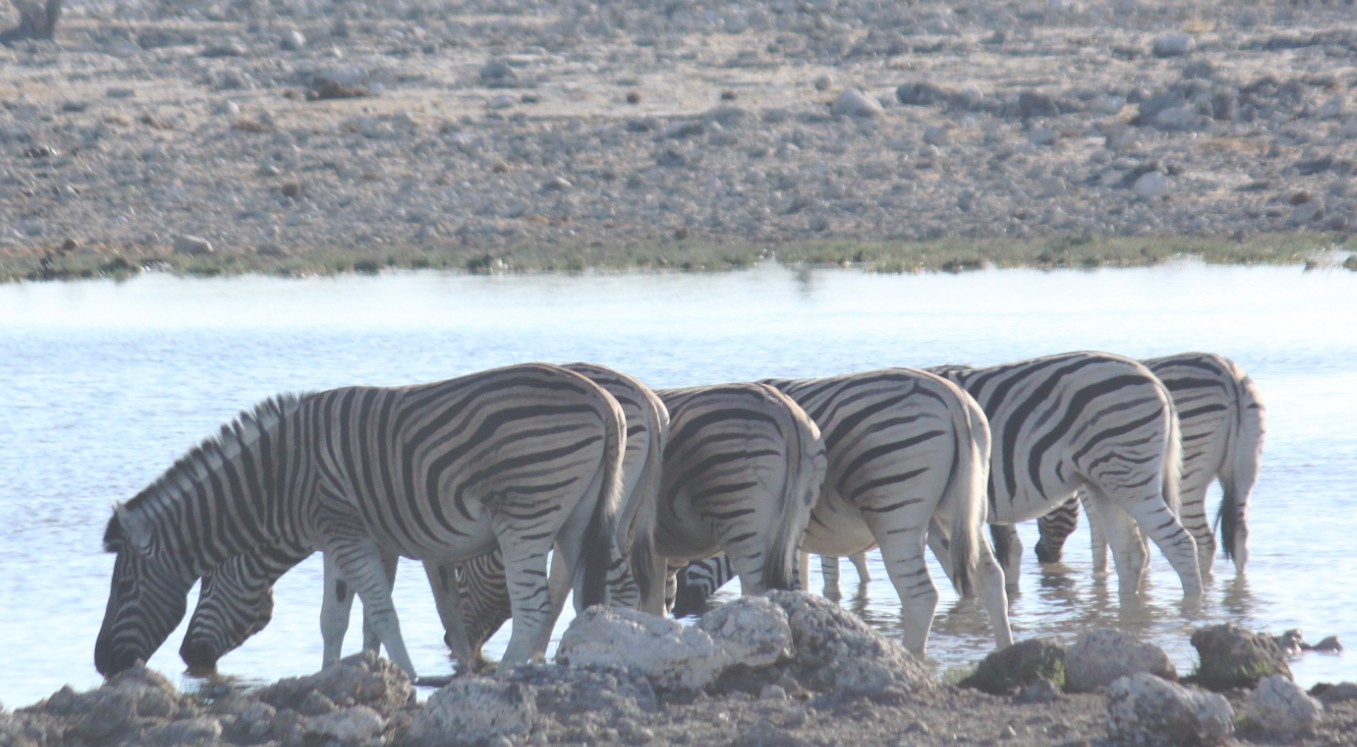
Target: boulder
[[356, 725], [855, 103], [1330, 694], [361, 679], [1014, 668], [473, 710], [1281, 708], [1145, 709], [611, 691], [1102, 655], [753, 631], [836, 652], [1233, 657], [671, 655]]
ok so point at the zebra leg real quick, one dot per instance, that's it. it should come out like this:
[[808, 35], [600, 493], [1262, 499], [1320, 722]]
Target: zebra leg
[[1097, 536], [1194, 519], [903, 554], [447, 597], [335, 609], [370, 640], [1157, 521], [358, 562], [1129, 557], [1054, 528], [1008, 550], [990, 577], [829, 568], [859, 561]]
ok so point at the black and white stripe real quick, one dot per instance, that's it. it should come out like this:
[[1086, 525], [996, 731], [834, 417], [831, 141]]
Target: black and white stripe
[[908, 458], [521, 457], [219, 622], [743, 466], [1091, 420], [1223, 422]]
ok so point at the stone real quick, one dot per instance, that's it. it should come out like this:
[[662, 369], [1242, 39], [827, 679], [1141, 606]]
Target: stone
[[350, 725], [292, 40], [1233, 657], [498, 74], [836, 652], [1013, 668], [1145, 709], [361, 679], [473, 710], [1330, 694], [189, 731], [855, 103], [1282, 709], [824, 82], [671, 655], [1100, 656], [921, 94], [752, 630], [1173, 45], [1151, 185]]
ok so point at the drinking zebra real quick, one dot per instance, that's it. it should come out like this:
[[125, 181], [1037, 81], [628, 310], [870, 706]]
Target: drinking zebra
[[1091, 420], [743, 467], [1223, 422], [520, 457], [236, 598], [907, 449]]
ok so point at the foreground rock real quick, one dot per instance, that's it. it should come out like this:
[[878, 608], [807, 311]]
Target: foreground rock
[[797, 671], [1232, 657]]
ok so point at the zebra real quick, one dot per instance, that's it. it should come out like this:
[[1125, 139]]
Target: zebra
[[520, 457], [742, 471], [696, 582], [1223, 422], [1092, 420], [231, 604], [907, 449]]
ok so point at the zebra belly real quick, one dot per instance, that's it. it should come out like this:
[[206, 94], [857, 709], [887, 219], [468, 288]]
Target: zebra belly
[[836, 528], [1030, 503]]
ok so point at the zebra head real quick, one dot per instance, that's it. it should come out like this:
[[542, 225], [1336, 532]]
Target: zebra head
[[146, 599], [228, 612]]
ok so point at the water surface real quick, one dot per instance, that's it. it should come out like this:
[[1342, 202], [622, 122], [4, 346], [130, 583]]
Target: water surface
[[108, 383]]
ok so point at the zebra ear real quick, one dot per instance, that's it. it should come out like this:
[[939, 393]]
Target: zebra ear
[[127, 528]]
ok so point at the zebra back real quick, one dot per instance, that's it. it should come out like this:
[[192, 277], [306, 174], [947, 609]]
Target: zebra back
[[1224, 422], [732, 447]]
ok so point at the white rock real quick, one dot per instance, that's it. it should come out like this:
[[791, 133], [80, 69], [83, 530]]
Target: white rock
[[473, 710], [1103, 655], [1151, 185], [351, 725], [1282, 708], [752, 630], [671, 655], [192, 245], [292, 40], [855, 103], [1143, 708]]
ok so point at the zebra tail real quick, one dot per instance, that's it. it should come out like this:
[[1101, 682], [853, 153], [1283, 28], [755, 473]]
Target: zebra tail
[[1240, 469], [600, 536], [1173, 458], [964, 493], [801, 488], [642, 549]]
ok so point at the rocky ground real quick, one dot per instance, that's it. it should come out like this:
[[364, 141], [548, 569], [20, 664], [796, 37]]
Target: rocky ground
[[538, 133], [787, 669]]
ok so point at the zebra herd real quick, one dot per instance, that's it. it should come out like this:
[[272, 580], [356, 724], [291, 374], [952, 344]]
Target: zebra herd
[[479, 477]]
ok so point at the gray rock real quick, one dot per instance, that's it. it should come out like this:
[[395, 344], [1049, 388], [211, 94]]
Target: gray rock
[[1282, 709], [1100, 656], [350, 725], [190, 731], [1011, 669], [937, 135], [921, 94], [1233, 657], [836, 652], [671, 655], [1145, 709], [498, 74], [1151, 185], [855, 103], [361, 679], [752, 630], [192, 245], [1173, 45], [473, 710], [292, 40], [1037, 104], [824, 82], [1343, 691]]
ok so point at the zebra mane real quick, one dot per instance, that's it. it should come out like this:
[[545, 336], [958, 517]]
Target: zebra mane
[[205, 458]]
